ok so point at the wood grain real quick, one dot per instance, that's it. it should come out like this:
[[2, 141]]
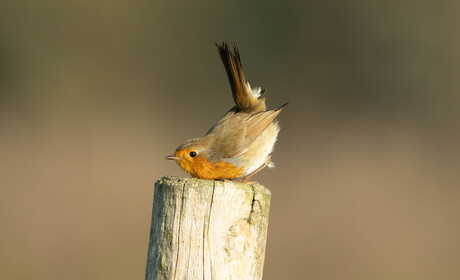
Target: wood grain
[[207, 230]]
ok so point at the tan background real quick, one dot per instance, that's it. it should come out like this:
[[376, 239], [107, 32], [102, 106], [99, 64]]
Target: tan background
[[95, 93]]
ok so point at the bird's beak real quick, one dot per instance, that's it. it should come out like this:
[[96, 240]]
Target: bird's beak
[[172, 157]]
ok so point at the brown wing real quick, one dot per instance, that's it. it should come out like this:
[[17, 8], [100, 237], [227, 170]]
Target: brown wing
[[224, 119], [236, 133]]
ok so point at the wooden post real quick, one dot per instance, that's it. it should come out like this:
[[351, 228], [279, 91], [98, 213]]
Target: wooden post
[[207, 230]]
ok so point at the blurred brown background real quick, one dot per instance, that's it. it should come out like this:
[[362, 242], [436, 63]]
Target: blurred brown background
[[93, 95]]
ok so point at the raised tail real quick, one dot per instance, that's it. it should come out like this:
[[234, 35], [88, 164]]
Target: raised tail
[[246, 98]]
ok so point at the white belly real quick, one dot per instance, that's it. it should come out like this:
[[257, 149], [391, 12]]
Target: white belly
[[256, 154]]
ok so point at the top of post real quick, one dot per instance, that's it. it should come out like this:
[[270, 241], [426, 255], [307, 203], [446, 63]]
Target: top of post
[[249, 187]]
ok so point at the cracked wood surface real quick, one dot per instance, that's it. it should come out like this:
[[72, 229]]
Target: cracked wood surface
[[207, 230]]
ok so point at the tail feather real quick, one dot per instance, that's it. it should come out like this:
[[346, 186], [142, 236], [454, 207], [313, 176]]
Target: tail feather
[[246, 98]]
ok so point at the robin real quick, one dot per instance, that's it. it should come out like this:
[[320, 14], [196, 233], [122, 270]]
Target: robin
[[240, 143]]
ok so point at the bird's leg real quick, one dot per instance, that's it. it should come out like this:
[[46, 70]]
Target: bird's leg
[[266, 163]]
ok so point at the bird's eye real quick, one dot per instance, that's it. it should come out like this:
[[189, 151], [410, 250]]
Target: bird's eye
[[192, 154]]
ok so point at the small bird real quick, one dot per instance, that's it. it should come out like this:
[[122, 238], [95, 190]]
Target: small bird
[[240, 143]]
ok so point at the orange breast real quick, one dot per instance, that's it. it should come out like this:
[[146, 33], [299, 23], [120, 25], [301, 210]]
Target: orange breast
[[201, 168]]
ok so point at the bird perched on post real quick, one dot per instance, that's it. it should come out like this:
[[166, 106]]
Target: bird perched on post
[[240, 143]]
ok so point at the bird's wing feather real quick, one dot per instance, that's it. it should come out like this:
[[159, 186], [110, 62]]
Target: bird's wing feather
[[224, 119], [239, 131]]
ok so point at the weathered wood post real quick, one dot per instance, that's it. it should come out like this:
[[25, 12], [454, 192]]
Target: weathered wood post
[[207, 230]]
